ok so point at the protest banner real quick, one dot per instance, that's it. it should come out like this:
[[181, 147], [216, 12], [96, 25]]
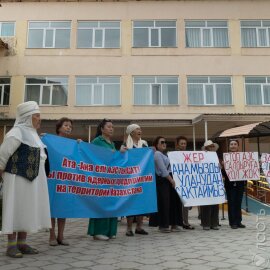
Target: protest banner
[[89, 181], [242, 166], [198, 177], [265, 160]]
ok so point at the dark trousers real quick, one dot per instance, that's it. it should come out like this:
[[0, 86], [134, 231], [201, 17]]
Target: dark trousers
[[209, 215], [169, 205], [234, 191]]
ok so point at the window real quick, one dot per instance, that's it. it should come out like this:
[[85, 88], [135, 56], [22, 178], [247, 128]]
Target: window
[[155, 90], [207, 34], [47, 90], [154, 34], [103, 91], [7, 29], [98, 34], [203, 90], [4, 91], [257, 90], [49, 34], [255, 33]]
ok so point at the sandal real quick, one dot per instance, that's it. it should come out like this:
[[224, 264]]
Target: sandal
[[53, 243], [26, 249], [63, 242], [14, 252], [129, 233], [188, 227]]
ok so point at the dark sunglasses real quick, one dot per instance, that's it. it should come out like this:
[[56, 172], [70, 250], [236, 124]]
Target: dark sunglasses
[[162, 142]]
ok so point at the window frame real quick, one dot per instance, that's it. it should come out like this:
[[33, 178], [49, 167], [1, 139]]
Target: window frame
[[2, 86], [150, 28], [214, 85], [267, 79], [44, 33], [257, 28], [155, 83], [206, 27], [14, 29], [41, 87], [103, 33], [92, 91]]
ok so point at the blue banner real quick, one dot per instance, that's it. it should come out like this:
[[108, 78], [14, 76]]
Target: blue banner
[[88, 181]]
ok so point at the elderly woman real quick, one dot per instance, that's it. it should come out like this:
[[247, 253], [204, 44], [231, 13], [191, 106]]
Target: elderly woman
[[63, 129], [103, 228], [22, 165], [234, 192], [169, 205], [134, 140], [209, 213]]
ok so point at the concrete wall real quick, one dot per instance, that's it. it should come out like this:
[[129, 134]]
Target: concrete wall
[[127, 61]]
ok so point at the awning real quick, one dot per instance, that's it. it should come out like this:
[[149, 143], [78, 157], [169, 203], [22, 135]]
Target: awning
[[252, 130]]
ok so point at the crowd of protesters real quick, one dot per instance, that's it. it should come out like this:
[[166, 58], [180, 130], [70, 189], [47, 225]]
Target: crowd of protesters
[[24, 167]]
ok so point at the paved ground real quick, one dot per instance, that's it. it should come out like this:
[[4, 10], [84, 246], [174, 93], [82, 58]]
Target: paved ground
[[198, 249]]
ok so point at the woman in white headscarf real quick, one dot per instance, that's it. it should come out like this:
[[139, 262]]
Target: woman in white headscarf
[[134, 140], [25, 191]]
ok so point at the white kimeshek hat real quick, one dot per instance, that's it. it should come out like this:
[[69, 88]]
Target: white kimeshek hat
[[129, 141], [208, 143], [23, 129], [27, 108], [131, 128]]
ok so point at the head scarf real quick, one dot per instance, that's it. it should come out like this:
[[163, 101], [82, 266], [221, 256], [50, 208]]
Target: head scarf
[[23, 129], [129, 141]]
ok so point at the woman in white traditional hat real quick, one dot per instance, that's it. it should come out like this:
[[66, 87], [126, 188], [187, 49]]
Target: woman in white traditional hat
[[209, 213], [134, 140], [25, 191]]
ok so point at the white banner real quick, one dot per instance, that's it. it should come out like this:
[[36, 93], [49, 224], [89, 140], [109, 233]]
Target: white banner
[[265, 159], [242, 166], [198, 177]]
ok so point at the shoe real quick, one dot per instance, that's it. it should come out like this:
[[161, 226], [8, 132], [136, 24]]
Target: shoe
[[241, 226], [101, 237], [176, 229], [234, 226], [63, 242], [214, 228], [14, 252], [188, 227], [141, 231], [26, 249], [129, 233], [164, 230], [53, 243], [206, 228], [112, 237]]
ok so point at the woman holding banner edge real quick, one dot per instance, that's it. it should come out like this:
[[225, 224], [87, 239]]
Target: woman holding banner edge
[[63, 129], [134, 140], [103, 228], [169, 204], [234, 192]]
